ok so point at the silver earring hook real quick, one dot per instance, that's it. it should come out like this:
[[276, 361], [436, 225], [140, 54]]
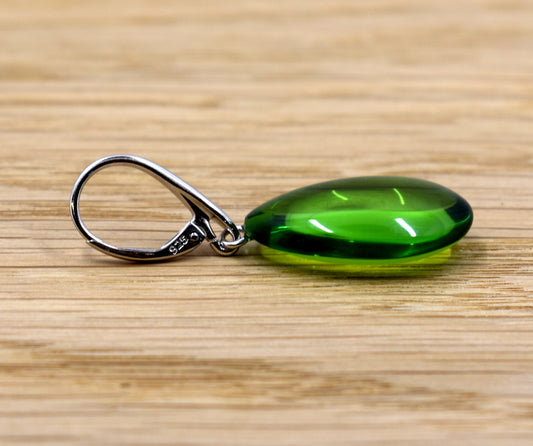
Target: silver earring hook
[[197, 229]]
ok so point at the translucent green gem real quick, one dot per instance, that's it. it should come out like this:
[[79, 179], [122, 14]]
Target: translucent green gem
[[367, 219]]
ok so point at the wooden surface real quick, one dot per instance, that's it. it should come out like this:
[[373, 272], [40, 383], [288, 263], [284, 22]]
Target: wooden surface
[[246, 100]]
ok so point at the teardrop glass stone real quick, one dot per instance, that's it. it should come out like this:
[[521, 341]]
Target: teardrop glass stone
[[366, 220]]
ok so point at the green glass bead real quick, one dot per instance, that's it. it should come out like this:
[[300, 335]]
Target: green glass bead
[[365, 220]]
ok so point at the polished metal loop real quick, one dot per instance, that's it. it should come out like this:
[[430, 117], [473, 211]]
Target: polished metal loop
[[236, 243], [197, 229]]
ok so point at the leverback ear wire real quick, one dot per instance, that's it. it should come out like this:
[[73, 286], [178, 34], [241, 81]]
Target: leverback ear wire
[[197, 229]]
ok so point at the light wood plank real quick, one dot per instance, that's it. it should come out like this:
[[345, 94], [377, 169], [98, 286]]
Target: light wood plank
[[246, 100]]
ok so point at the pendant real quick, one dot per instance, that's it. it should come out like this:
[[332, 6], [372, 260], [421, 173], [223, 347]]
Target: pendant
[[360, 220], [366, 219]]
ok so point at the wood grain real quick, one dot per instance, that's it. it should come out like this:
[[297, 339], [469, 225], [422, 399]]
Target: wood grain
[[246, 100]]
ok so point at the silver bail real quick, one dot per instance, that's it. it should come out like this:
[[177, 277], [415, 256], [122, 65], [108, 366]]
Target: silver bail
[[193, 234]]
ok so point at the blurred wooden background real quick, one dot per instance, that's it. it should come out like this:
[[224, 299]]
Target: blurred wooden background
[[246, 100]]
